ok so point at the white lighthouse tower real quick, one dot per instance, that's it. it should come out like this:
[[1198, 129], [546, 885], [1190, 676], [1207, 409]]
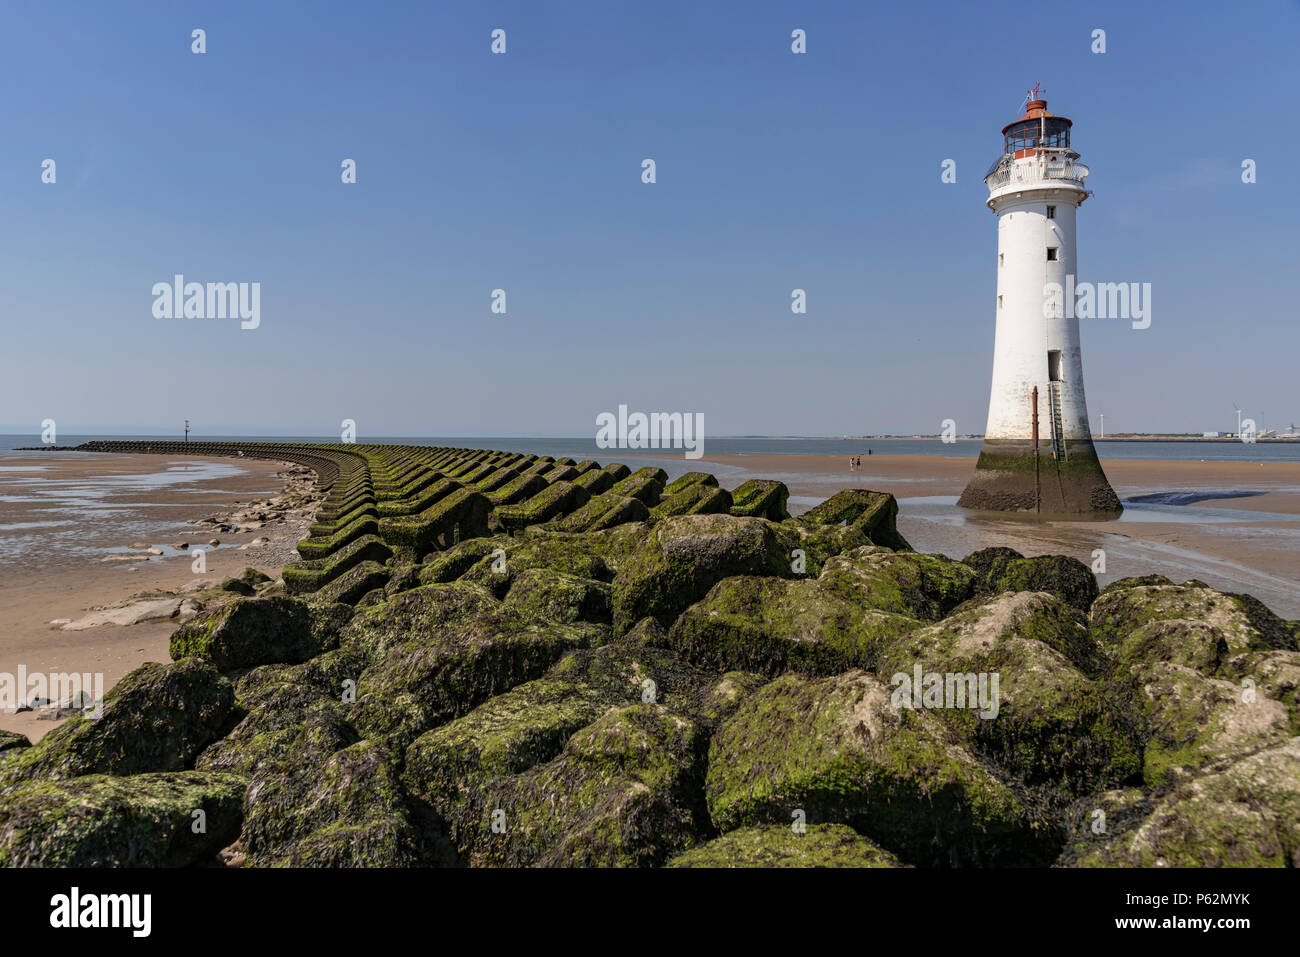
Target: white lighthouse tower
[[1038, 454]]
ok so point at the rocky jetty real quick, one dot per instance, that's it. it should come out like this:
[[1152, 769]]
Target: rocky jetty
[[492, 659]]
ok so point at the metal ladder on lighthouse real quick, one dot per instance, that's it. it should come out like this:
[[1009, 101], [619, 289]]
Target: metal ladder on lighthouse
[[1058, 432]]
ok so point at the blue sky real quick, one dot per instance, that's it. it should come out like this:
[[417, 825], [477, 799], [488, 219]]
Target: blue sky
[[522, 171]]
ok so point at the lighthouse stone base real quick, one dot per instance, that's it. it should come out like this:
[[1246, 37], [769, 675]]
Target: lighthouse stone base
[[1012, 477]]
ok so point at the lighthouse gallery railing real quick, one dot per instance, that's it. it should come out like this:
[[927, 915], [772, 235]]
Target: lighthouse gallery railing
[[1032, 174]]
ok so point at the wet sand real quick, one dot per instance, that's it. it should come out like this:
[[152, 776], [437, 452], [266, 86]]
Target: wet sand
[[68, 581]]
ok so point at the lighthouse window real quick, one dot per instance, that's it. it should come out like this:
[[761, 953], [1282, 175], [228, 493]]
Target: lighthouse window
[[1051, 212], [1051, 254], [1001, 256], [999, 302]]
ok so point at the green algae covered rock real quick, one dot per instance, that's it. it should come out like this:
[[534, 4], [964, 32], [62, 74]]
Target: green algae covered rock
[[324, 546], [349, 587], [12, 741], [157, 718], [291, 725], [456, 561], [1119, 617], [543, 594], [435, 676], [624, 792], [420, 613], [600, 512], [718, 701], [875, 514], [1190, 721], [595, 555], [771, 625], [303, 577], [144, 820], [1067, 578], [1009, 678], [459, 515], [926, 587], [683, 482], [348, 811], [761, 498], [257, 631], [696, 499], [450, 766], [686, 555], [1272, 674], [811, 546], [558, 498], [1094, 821], [646, 485], [820, 845], [837, 750], [1246, 815]]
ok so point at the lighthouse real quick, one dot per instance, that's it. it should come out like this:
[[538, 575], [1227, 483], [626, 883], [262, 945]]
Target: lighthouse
[[1038, 454]]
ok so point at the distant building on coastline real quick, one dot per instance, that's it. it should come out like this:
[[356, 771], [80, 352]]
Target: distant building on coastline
[[1038, 454]]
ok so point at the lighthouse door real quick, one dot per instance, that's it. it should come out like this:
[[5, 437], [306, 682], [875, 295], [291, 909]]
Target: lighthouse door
[[1054, 365]]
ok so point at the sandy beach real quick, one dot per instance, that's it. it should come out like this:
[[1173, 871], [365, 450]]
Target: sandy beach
[[68, 579]]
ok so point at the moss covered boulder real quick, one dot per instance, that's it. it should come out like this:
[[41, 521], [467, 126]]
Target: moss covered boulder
[[1272, 674], [600, 512], [819, 845], [837, 750], [686, 555], [875, 514], [435, 676], [696, 499], [541, 593], [626, 791], [1122, 620], [1067, 578], [349, 587], [144, 820], [418, 613], [771, 625], [459, 515], [925, 587], [558, 498], [811, 546], [1190, 721], [449, 766], [157, 718], [257, 631], [349, 811], [1009, 678], [292, 725], [1246, 815], [761, 498]]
